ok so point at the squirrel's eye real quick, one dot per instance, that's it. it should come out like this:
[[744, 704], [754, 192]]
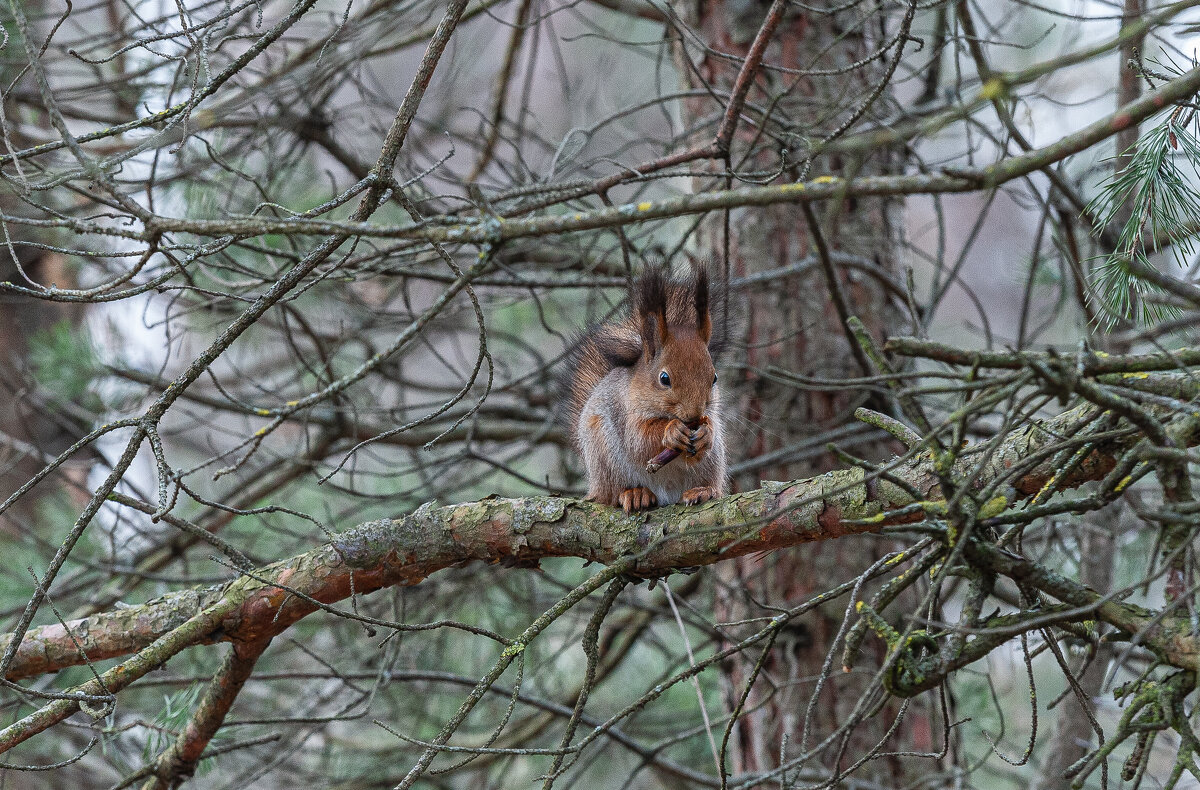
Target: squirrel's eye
[[714, 378], [664, 379]]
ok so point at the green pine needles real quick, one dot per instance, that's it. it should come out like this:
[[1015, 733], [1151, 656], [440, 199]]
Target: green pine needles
[[1160, 195]]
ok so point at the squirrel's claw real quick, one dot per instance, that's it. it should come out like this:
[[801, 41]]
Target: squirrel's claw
[[702, 442], [635, 499]]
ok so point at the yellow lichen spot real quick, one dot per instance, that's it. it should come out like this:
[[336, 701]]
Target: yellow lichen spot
[[293, 403], [793, 187], [993, 507], [263, 412], [1122, 485], [645, 205], [824, 179], [858, 607], [578, 217], [1139, 375], [994, 88], [261, 431]]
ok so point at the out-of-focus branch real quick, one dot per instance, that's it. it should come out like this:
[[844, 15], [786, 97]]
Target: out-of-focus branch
[[494, 230], [639, 8], [502, 85], [1087, 363]]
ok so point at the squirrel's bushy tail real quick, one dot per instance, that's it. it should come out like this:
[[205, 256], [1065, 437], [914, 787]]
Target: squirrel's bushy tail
[[618, 343]]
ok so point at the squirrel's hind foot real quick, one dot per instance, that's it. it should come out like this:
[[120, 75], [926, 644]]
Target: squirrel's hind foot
[[694, 496], [635, 499]]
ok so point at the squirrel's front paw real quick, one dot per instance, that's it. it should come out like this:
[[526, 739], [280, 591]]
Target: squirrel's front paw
[[692, 444], [635, 499], [702, 442], [678, 437]]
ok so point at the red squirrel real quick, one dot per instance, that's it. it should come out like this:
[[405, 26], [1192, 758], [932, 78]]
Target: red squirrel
[[643, 390]]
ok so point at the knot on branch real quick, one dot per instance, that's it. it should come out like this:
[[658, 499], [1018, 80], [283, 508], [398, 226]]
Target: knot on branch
[[906, 676]]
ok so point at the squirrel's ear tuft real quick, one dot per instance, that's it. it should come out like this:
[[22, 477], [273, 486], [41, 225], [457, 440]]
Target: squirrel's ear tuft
[[703, 318], [650, 298]]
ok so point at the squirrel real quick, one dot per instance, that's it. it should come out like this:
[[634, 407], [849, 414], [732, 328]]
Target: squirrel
[[643, 390]]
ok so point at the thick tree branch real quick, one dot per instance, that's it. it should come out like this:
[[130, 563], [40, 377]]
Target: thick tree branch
[[521, 532]]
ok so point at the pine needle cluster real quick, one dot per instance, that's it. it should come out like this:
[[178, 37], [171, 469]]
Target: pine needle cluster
[[1156, 195]]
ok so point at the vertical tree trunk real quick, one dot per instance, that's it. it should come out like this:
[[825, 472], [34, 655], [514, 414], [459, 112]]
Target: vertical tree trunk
[[29, 428], [792, 323]]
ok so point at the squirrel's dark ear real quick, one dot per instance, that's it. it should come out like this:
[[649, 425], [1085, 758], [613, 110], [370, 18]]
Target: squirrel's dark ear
[[703, 317], [651, 300]]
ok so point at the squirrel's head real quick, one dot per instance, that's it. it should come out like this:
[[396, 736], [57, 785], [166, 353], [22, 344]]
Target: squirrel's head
[[675, 374]]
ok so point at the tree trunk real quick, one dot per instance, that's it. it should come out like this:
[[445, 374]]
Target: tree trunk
[[31, 428], [791, 323]]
